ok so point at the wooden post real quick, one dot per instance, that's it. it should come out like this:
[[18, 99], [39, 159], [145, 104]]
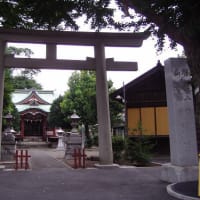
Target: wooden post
[[16, 160], [75, 159], [26, 159], [79, 158], [21, 158], [83, 158]]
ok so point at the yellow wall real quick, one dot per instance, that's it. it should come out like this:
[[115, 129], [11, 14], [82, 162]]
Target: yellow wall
[[133, 116], [154, 120], [148, 121], [162, 120]]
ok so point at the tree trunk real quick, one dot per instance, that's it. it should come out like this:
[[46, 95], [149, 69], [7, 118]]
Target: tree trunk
[[193, 57], [87, 134]]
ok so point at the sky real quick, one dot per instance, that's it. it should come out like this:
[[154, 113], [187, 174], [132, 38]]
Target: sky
[[56, 80]]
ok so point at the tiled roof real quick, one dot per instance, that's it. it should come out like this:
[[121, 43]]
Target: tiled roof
[[46, 95]]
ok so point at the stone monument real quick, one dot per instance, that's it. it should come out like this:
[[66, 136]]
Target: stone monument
[[182, 131]]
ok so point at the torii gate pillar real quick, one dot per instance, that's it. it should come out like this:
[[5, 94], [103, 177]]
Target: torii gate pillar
[[2, 50], [103, 112]]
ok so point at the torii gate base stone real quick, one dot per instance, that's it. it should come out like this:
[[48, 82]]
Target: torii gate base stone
[[100, 64]]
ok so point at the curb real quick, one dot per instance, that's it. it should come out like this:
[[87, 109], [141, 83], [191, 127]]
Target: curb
[[170, 190]]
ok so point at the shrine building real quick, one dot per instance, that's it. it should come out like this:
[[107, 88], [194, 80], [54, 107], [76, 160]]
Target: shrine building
[[146, 104], [33, 107]]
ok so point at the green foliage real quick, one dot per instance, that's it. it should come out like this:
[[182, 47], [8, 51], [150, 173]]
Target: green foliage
[[8, 106], [178, 19], [138, 149], [19, 51], [56, 118], [23, 82], [8, 89], [116, 109], [118, 145], [95, 140], [139, 130], [81, 97], [54, 14], [88, 142]]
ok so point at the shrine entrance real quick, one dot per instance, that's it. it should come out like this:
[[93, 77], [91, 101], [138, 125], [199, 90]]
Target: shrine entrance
[[33, 128], [33, 124], [99, 63]]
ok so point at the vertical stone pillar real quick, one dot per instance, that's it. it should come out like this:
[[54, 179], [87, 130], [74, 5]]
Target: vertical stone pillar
[[2, 52], [103, 112], [182, 134]]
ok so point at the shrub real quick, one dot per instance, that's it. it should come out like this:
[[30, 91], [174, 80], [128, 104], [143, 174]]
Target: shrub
[[138, 149], [88, 142], [118, 145], [95, 140]]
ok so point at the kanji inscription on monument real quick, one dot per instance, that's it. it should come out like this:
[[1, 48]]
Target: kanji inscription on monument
[[182, 131]]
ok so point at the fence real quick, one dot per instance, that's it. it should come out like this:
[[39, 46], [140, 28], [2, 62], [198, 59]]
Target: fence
[[79, 158], [22, 159]]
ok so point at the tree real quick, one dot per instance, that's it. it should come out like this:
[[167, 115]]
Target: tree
[[81, 97], [25, 78], [23, 82], [116, 108], [54, 14], [56, 118]]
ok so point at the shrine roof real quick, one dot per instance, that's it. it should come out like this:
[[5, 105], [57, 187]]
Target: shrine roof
[[31, 98], [146, 90], [45, 108]]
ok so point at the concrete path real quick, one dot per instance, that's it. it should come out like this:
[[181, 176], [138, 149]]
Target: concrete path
[[88, 184], [42, 159], [50, 179]]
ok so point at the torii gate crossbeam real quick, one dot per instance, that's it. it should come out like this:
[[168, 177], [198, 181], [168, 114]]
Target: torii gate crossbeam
[[99, 63]]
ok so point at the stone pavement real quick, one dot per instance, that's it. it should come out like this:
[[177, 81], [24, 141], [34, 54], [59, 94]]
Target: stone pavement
[[51, 179]]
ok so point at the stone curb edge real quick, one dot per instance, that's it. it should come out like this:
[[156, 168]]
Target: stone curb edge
[[171, 192]]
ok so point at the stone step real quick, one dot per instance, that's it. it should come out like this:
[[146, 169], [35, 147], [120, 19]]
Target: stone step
[[33, 139], [2, 167], [30, 144], [6, 165]]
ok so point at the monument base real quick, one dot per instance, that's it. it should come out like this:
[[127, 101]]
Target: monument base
[[106, 166], [174, 174]]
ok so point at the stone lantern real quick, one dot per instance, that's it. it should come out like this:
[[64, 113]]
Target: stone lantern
[[8, 132], [73, 139], [8, 140], [74, 122], [8, 119]]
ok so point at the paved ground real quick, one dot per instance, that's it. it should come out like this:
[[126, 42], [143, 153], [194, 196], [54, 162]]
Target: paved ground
[[51, 179]]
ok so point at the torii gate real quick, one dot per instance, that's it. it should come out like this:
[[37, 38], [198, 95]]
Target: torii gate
[[99, 63]]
